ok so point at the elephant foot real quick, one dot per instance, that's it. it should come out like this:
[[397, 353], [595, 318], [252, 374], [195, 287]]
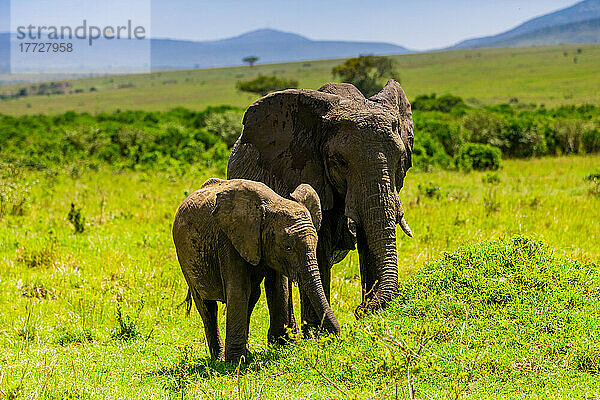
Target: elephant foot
[[237, 359], [219, 358], [311, 329], [283, 337]]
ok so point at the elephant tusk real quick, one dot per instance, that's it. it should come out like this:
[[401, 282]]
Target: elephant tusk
[[405, 227]]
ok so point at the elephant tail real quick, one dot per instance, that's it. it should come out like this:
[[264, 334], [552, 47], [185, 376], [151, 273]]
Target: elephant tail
[[187, 302]]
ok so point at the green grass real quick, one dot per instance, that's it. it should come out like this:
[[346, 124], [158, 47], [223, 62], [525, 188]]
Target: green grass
[[532, 75], [96, 314]]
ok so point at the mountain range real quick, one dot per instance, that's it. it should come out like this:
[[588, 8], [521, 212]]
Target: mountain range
[[579, 23], [269, 45]]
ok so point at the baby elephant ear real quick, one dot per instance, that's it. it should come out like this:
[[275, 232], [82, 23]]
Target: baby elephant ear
[[307, 196], [239, 214]]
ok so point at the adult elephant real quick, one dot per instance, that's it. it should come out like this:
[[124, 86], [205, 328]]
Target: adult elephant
[[355, 152]]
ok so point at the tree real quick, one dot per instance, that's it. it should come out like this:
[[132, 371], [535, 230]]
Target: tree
[[265, 84], [367, 73], [250, 60]]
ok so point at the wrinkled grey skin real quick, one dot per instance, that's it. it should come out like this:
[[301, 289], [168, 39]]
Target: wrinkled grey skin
[[227, 235], [355, 152]]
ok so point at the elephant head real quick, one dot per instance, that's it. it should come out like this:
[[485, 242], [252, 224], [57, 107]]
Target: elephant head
[[277, 233], [354, 151]]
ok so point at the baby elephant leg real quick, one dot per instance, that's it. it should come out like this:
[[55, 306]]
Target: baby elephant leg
[[254, 296], [208, 312], [238, 292], [236, 338]]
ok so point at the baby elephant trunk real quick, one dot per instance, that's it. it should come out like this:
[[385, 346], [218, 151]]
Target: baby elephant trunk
[[310, 283]]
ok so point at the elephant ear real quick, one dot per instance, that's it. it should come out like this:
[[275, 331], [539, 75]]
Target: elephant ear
[[346, 90], [239, 214], [394, 97], [306, 195], [287, 128]]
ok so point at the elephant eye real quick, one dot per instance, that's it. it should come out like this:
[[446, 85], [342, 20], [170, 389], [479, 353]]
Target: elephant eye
[[338, 160]]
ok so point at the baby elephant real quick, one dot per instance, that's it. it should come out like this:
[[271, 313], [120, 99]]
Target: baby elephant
[[227, 234]]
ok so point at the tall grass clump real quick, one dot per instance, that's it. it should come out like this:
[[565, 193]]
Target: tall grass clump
[[480, 321], [126, 327], [594, 182], [524, 308], [40, 251]]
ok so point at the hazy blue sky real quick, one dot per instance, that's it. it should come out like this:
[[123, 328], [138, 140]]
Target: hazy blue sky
[[420, 24]]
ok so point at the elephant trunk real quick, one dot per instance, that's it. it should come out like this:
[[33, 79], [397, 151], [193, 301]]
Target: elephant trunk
[[310, 283], [376, 243]]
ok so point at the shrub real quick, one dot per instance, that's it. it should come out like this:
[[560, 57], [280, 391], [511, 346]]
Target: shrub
[[487, 128], [266, 84], [550, 301], [523, 138], [430, 190], [227, 126], [594, 180], [428, 152], [368, 73], [126, 328], [76, 219], [491, 178], [568, 135], [123, 139], [478, 156], [447, 133], [14, 194], [446, 103], [591, 141]]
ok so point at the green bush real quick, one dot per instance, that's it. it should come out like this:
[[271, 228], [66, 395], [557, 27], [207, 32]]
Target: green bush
[[486, 127], [503, 296], [428, 152], [478, 156], [180, 138], [227, 126], [446, 103], [591, 141], [368, 72], [265, 84], [123, 139], [568, 135], [447, 133]]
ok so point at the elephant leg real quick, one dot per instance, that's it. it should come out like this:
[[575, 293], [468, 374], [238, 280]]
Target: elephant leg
[[310, 319], [281, 312], [254, 296], [236, 335], [237, 277], [208, 312]]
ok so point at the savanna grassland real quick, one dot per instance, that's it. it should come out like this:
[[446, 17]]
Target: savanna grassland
[[554, 75], [499, 288], [97, 314]]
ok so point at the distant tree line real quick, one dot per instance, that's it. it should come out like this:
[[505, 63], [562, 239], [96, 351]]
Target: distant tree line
[[448, 134]]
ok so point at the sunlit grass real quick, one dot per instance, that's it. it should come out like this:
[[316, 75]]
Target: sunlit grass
[[542, 74], [97, 314]]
